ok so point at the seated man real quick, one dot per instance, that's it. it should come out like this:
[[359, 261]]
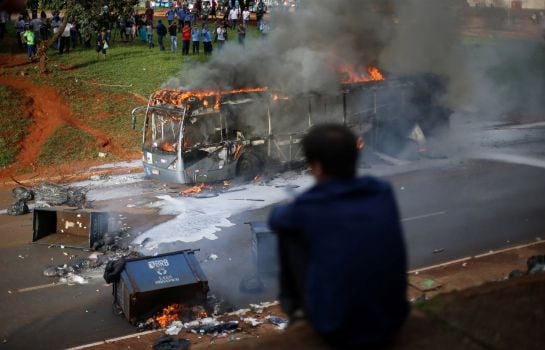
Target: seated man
[[341, 247]]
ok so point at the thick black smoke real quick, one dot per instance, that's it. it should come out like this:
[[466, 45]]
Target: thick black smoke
[[304, 49]]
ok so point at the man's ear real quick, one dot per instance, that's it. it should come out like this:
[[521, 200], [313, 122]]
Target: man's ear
[[316, 169]]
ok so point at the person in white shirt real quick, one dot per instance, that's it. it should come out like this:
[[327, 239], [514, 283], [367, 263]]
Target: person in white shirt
[[245, 17], [65, 39], [233, 16]]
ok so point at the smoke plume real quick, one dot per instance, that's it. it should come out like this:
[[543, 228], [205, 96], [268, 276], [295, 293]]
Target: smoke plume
[[304, 48]]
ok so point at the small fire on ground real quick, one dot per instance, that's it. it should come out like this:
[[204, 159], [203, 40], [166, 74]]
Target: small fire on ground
[[194, 189], [171, 313]]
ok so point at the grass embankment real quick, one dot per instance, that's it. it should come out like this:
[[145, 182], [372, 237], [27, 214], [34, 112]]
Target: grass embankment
[[102, 92], [68, 144], [13, 124]]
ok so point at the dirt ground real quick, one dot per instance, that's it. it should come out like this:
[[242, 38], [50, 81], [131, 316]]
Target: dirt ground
[[48, 110]]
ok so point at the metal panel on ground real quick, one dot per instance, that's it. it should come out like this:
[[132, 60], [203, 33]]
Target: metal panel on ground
[[69, 227]]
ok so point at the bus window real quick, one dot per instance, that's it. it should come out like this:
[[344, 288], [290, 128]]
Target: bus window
[[162, 130]]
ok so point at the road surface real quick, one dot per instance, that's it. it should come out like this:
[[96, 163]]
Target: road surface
[[466, 204]]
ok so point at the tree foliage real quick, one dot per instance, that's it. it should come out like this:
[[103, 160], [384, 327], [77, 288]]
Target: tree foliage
[[91, 16]]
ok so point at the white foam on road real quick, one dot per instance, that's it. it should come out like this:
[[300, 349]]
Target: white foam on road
[[202, 218]]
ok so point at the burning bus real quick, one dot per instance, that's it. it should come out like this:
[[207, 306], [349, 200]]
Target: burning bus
[[206, 136]]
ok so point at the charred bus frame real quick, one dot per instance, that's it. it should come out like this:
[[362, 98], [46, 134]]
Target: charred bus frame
[[206, 136]]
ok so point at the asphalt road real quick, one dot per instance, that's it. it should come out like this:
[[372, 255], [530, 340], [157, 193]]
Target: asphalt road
[[450, 209]]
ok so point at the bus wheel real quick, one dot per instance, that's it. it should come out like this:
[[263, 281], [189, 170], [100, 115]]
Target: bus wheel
[[248, 166]]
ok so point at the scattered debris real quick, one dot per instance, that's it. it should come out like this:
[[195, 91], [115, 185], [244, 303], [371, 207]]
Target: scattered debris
[[22, 193], [516, 273], [174, 328], [280, 322], [18, 208], [213, 257], [254, 322], [536, 264], [47, 194], [258, 308], [211, 325], [72, 279], [167, 342]]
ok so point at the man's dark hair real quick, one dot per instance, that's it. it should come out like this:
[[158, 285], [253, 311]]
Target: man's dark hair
[[334, 147]]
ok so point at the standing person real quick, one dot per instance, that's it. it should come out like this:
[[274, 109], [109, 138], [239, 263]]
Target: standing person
[[20, 29], [221, 35], [241, 32], [246, 17], [233, 17], [44, 26], [170, 15], [173, 32], [196, 39], [3, 20], [161, 32], [74, 33], [55, 24], [65, 39], [205, 13], [29, 38], [186, 38], [36, 25], [149, 35], [341, 248], [264, 28], [148, 13], [260, 12], [207, 40], [102, 43], [214, 9]]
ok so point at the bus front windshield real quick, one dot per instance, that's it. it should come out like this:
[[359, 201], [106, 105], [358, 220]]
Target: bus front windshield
[[162, 130]]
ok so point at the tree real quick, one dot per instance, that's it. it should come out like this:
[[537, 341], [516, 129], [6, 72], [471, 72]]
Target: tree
[[91, 15]]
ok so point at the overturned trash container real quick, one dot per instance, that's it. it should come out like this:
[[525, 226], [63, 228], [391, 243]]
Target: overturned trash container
[[147, 285], [264, 248], [69, 227]]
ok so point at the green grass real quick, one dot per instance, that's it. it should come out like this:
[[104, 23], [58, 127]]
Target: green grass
[[68, 144], [13, 124], [100, 92]]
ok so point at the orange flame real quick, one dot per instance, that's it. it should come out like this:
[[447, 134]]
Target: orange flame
[[194, 189], [179, 97], [350, 75], [170, 313]]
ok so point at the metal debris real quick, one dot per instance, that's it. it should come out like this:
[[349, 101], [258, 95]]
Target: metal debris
[[18, 208]]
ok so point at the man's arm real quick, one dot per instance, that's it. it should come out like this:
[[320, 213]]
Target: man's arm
[[283, 218]]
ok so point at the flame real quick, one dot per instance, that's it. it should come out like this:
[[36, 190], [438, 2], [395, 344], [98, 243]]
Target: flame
[[277, 97], [350, 75], [237, 151], [226, 183], [194, 189], [170, 313], [179, 97]]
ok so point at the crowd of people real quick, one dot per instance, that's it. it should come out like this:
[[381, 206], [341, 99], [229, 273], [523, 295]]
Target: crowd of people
[[31, 29], [198, 26], [204, 25]]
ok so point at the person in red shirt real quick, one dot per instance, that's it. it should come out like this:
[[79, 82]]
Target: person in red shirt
[[186, 38]]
